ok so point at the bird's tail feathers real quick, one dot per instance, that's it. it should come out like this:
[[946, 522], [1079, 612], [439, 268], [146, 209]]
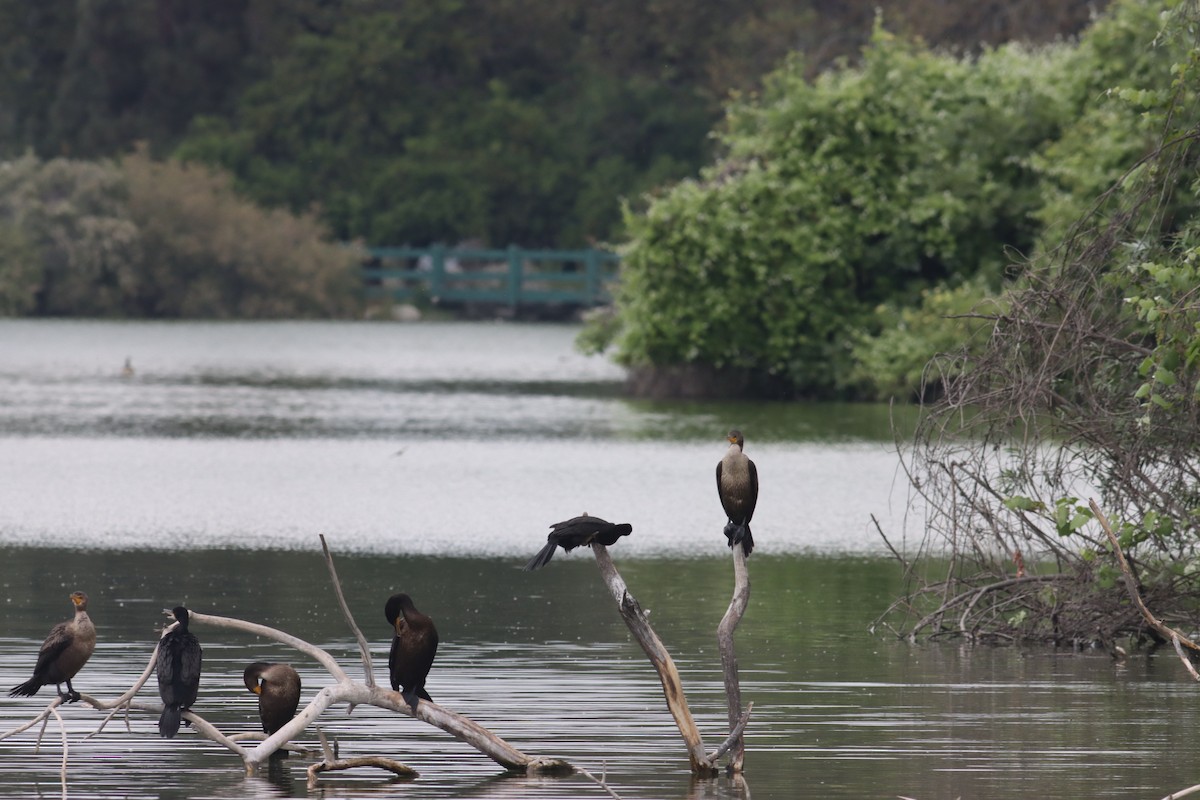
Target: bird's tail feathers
[[542, 558], [412, 696], [27, 689], [168, 723]]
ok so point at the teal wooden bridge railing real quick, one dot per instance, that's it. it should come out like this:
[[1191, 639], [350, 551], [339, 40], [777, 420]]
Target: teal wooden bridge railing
[[513, 277]]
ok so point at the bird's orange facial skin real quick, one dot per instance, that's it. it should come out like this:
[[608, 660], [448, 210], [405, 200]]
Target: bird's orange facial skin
[[77, 599], [257, 688]]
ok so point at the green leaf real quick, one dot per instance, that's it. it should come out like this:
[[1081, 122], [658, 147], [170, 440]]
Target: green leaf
[[1021, 503]]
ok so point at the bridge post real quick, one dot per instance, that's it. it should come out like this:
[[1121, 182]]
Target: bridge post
[[591, 263], [437, 278], [514, 275]]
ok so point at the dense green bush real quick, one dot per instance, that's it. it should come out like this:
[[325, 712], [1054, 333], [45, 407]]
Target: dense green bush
[[867, 186], [158, 239]]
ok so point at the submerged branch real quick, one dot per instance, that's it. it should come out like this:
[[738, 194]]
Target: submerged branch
[[389, 764]]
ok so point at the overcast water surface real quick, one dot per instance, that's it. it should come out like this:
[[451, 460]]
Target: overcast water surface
[[433, 457]]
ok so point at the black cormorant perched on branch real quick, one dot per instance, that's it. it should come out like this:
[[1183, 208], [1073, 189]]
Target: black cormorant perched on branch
[[578, 531], [737, 484], [178, 673], [278, 690], [65, 651], [414, 644]]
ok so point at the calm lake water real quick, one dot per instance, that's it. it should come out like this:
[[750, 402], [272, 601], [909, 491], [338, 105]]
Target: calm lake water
[[433, 457]]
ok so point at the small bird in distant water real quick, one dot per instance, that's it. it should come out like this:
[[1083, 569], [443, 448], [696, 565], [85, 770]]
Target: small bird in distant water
[[178, 668], [278, 690], [127, 370], [737, 486], [65, 651], [577, 531], [414, 644]]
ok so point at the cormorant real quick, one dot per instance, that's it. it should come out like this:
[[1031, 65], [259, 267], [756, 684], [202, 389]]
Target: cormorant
[[737, 484], [578, 531], [65, 651], [178, 673], [278, 690], [414, 644]]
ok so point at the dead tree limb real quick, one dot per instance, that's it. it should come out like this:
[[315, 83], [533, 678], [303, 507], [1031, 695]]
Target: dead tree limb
[[729, 664], [664, 665], [342, 690], [364, 648], [389, 764], [1131, 586]]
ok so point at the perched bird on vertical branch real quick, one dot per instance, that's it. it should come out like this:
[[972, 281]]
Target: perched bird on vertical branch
[[178, 668], [278, 690], [737, 486], [575, 532], [65, 651], [414, 644]]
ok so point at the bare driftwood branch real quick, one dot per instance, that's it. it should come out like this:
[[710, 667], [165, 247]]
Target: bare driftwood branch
[[364, 648], [1166, 631], [342, 690], [389, 764], [603, 784], [1131, 586], [735, 736], [729, 664], [664, 665]]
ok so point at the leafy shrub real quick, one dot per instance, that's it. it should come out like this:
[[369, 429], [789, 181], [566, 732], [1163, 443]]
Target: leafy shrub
[[70, 246], [866, 186], [897, 363], [161, 239], [206, 252]]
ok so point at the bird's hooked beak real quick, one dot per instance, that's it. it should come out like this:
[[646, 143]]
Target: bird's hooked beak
[[257, 688]]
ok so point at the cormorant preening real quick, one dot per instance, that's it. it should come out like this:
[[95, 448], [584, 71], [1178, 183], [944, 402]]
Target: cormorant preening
[[63, 654], [578, 531], [178, 673], [414, 644], [278, 690], [737, 484]]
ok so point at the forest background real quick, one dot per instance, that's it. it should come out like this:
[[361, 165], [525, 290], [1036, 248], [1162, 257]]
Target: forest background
[[802, 191]]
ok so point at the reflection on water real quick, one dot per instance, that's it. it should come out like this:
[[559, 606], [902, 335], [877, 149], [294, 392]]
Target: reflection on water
[[434, 457]]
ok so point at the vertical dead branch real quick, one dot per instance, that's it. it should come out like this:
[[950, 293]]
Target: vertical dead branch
[[668, 675], [364, 648], [729, 665]]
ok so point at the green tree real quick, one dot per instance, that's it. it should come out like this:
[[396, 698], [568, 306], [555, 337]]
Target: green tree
[[866, 186]]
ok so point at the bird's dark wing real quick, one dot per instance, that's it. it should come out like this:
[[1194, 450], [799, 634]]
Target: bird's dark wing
[[58, 641], [753, 490], [189, 661], [576, 524], [731, 511], [165, 666]]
